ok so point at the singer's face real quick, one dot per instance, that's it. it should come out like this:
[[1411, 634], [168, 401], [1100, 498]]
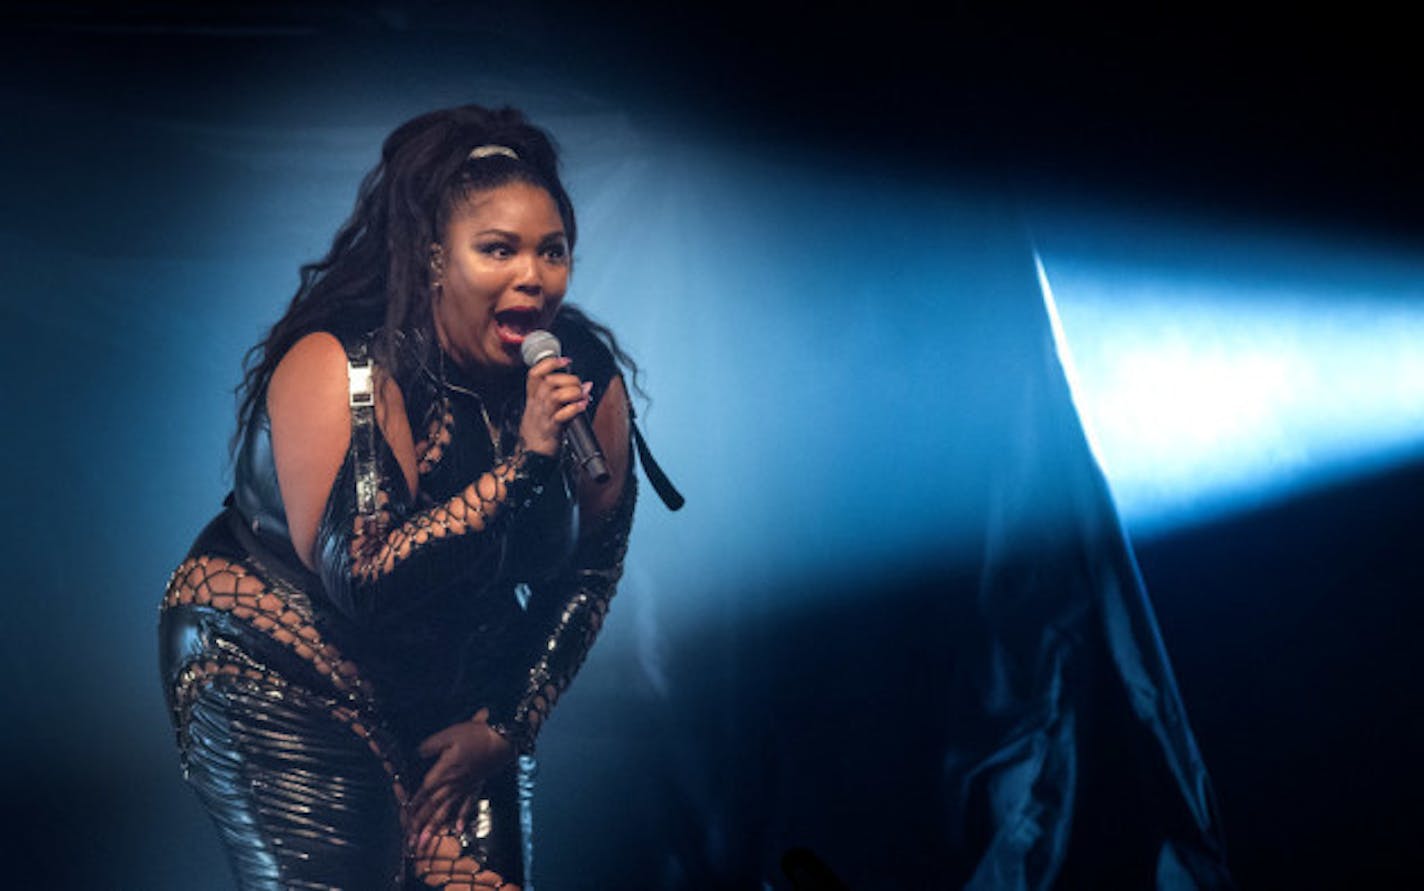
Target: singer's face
[[506, 268]]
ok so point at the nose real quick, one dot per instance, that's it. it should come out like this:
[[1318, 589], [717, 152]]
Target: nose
[[528, 279]]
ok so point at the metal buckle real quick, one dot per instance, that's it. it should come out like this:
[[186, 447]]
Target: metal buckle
[[358, 383]]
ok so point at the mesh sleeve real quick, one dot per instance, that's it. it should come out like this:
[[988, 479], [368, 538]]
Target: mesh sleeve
[[380, 562], [565, 616]]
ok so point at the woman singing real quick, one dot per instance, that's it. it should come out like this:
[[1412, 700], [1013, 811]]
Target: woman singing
[[410, 569]]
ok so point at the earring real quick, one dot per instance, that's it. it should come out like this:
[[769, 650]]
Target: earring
[[437, 270]]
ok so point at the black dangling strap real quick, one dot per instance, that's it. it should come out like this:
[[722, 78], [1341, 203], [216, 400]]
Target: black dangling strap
[[661, 484]]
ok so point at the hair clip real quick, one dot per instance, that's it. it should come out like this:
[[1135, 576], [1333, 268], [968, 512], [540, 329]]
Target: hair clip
[[486, 151]]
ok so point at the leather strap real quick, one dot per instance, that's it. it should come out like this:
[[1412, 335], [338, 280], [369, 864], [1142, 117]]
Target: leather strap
[[661, 484], [362, 399]]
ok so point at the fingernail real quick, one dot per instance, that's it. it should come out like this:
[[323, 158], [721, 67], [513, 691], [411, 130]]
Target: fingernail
[[588, 386]]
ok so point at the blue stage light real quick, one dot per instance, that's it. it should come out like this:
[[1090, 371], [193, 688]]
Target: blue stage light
[[1215, 371]]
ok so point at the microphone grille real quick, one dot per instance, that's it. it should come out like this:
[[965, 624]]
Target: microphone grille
[[539, 345]]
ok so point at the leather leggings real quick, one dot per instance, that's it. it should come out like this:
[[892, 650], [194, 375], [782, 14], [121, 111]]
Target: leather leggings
[[289, 757]]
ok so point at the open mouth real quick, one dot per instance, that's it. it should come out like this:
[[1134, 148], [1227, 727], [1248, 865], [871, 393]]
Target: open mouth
[[514, 324]]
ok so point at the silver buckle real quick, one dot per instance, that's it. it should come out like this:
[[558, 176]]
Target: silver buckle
[[358, 383]]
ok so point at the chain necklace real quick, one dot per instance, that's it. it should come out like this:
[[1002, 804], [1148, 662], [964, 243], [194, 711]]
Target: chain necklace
[[496, 440]]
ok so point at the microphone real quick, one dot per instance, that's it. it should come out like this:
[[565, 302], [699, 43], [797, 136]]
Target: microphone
[[578, 433]]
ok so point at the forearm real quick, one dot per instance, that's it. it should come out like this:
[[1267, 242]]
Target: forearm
[[378, 562], [566, 616]]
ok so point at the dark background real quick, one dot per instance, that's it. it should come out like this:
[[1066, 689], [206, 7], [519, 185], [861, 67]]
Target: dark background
[[1312, 730], [1306, 113]]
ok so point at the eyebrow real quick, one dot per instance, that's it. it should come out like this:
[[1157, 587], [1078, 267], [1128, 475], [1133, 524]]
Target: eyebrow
[[511, 236]]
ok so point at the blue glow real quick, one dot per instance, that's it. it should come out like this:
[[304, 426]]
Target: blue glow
[[1218, 370]]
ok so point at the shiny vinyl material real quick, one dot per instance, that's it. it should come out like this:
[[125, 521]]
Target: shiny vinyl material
[[299, 701], [296, 796]]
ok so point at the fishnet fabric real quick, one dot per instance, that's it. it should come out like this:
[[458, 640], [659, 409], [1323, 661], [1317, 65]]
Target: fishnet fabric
[[243, 674], [377, 549], [301, 788], [570, 613], [438, 435], [453, 868], [232, 587]]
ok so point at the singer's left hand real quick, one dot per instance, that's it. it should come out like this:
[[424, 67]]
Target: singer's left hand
[[466, 754], [552, 398]]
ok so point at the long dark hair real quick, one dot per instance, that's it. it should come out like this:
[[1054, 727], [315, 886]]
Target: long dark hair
[[376, 277]]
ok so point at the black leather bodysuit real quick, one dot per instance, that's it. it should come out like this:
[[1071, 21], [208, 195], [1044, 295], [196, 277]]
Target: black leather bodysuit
[[299, 699]]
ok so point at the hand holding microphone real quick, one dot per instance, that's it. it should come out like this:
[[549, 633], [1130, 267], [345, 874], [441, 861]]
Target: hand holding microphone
[[578, 433]]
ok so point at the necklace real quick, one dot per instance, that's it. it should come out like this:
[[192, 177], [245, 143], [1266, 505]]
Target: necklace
[[496, 441]]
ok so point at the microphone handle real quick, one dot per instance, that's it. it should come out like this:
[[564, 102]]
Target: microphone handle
[[579, 435]]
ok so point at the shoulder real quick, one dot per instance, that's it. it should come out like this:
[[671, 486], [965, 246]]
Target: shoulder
[[311, 374], [314, 351], [316, 368], [310, 393]]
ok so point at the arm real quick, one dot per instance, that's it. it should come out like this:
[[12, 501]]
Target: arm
[[371, 562], [568, 612]]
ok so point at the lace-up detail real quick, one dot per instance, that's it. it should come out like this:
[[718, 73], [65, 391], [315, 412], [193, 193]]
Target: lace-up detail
[[568, 614], [234, 670], [305, 762], [454, 868], [438, 434], [281, 613], [376, 553], [474, 509]]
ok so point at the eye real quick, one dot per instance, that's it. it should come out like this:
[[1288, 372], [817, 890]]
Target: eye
[[500, 250], [556, 252]]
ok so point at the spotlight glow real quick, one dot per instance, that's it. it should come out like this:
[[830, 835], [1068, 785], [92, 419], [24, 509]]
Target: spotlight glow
[[1207, 393]]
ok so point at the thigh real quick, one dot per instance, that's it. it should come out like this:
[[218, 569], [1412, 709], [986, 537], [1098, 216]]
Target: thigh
[[299, 796]]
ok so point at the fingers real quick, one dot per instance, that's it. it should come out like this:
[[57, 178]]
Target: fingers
[[549, 379], [435, 743], [559, 390], [551, 365], [423, 805], [443, 770], [553, 398], [571, 411], [467, 810], [574, 394], [436, 817], [445, 815]]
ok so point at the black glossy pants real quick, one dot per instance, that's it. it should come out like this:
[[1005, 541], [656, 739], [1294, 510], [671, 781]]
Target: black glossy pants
[[305, 787], [302, 802]]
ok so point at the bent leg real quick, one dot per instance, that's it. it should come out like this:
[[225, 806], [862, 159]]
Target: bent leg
[[299, 799]]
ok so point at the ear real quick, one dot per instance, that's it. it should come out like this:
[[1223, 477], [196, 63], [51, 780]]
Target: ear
[[437, 266]]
